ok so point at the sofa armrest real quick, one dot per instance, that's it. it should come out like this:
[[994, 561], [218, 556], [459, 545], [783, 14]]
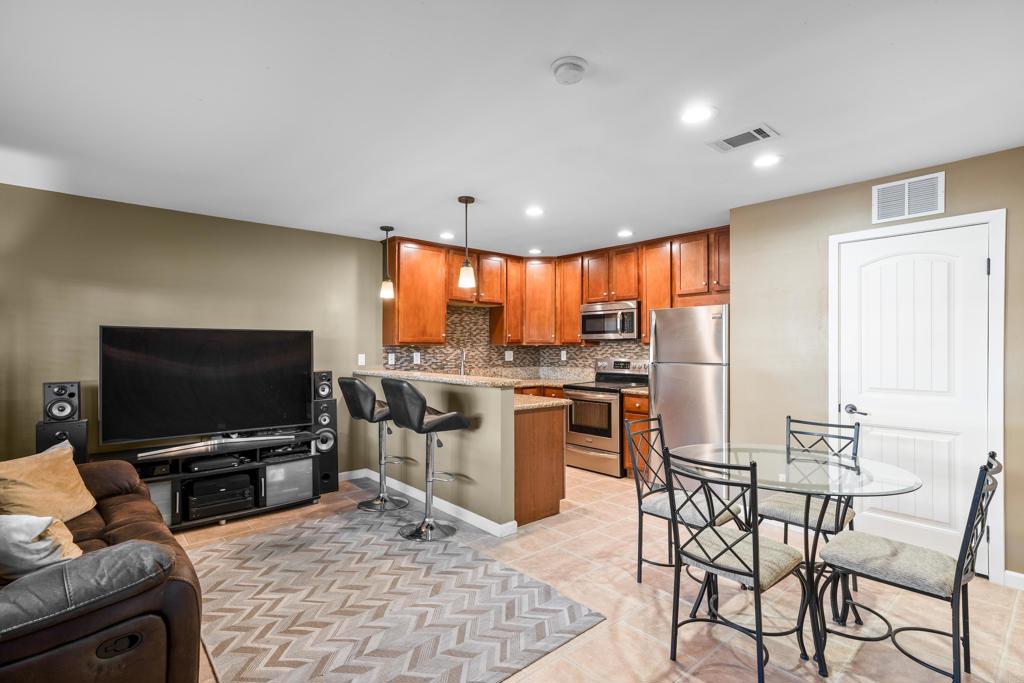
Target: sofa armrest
[[108, 478], [85, 584]]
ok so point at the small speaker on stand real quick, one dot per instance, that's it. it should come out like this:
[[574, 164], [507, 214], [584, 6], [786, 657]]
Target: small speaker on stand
[[61, 401], [76, 432], [323, 386]]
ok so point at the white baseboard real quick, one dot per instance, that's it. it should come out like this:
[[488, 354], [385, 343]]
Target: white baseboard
[[459, 513], [1013, 580]]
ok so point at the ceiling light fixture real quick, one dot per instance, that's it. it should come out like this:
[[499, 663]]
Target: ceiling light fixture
[[535, 251], [447, 235], [698, 113], [625, 232], [767, 160], [387, 287], [533, 211], [467, 279]]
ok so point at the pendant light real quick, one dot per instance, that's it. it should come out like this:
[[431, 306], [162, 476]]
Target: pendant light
[[467, 279], [387, 287]]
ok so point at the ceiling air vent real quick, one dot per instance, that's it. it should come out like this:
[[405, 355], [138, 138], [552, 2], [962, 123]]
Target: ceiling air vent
[[920, 196], [762, 132]]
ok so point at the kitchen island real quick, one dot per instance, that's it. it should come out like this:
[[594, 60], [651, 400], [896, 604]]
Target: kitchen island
[[509, 464]]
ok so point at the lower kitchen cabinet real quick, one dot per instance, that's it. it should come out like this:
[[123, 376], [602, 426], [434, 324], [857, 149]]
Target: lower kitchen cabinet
[[540, 463], [627, 462]]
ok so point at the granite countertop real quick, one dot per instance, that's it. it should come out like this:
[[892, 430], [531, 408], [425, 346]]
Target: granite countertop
[[443, 378], [635, 391], [521, 402], [556, 383]]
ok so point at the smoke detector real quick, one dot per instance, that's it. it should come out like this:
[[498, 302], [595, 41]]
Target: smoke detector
[[569, 70]]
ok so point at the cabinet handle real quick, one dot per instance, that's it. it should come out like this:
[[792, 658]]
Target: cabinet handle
[[604, 292], [705, 282], [714, 282], [613, 292]]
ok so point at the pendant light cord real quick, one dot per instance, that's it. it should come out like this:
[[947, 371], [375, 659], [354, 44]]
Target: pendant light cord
[[466, 225]]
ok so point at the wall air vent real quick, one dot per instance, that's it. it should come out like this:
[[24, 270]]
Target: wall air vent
[[762, 132], [921, 196]]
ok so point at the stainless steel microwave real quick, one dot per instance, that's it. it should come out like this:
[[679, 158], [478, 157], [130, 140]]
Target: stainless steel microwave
[[612, 320]]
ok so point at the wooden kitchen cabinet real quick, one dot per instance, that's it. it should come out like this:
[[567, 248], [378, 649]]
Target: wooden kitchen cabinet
[[507, 320], [490, 279], [720, 260], [530, 391], [553, 392], [539, 302], [456, 293], [595, 277], [655, 283], [690, 264], [625, 274], [418, 313], [568, 297], [627, 461]]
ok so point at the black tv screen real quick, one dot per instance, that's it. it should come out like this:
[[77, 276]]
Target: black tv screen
[[158, 383]]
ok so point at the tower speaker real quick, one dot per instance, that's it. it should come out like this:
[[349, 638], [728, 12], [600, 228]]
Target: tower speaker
[[322, 384], [325, 425], [76, 432], [61, 401]]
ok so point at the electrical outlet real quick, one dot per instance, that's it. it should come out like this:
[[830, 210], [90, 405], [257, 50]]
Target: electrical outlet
[[391, 359], [508, 356], [415, 357], [361, 359], [565, 354]]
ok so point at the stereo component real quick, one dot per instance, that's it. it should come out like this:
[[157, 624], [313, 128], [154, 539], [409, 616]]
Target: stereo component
[[325, 425], [61, 401], [52, 433], [216, 463], [322, 385], [220, 495]]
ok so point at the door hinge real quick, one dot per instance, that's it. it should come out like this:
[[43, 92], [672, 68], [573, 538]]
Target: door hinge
[[988, 534], [988, 266]]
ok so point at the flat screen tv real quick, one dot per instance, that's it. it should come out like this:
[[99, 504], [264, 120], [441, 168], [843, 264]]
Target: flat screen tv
[[161, 383]]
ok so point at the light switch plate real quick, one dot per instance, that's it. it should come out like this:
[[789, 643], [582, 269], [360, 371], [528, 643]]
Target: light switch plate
[[565, 355], [508, 355], [361, 359], [391, 359], [415, 357]]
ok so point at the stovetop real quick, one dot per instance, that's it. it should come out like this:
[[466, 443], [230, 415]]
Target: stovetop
[[614, 375]]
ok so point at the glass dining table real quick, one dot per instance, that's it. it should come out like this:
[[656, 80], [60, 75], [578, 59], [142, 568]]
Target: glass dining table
[[815, 474]]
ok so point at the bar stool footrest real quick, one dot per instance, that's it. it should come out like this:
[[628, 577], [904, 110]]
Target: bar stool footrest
[[443, 476]]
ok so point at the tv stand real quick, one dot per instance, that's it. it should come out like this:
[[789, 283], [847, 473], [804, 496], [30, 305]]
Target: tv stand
[[222, 445]]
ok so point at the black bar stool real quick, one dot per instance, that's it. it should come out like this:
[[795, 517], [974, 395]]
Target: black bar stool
[[409, 410], [363, 405]]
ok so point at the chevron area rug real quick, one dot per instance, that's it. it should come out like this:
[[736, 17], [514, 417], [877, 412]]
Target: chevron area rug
[[343, 598]]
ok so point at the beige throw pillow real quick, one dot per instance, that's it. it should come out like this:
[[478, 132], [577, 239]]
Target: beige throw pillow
[[46, 484], [29, 543]]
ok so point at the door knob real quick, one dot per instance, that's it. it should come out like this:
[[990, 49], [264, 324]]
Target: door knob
[[852, 410]]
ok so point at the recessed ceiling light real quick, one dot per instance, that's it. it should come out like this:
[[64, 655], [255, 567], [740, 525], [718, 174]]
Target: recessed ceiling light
[[447, 235], [698, 113], [767, 160], [625, 232], [535, 251], [533, 211]]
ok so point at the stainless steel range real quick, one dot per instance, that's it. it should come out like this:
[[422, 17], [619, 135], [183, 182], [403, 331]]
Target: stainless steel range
[[594, 434]]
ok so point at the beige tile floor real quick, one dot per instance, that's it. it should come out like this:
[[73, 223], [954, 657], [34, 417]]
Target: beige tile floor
[[588, 553]]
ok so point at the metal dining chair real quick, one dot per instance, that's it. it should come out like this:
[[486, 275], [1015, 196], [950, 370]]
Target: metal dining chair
[[738, 554], [646, 439], [916, 569]]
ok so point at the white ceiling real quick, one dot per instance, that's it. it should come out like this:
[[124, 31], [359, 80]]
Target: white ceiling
[[342, 116]]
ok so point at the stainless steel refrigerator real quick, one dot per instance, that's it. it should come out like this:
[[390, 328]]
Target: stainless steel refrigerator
[[689, 376]]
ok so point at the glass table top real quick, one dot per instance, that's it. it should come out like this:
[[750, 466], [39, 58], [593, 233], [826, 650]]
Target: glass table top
[[803, 471]]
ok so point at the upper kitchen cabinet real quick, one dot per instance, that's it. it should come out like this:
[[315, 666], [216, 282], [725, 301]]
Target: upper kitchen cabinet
[[720, 260], [595, 277], [417, 314], [568, 297], [690, 264], [655, 283], [456, 293], [490, 279], [625, 274], [539, 302], [507, 320]]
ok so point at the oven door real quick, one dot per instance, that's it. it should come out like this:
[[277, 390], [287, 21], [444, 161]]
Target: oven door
[[593, 420]]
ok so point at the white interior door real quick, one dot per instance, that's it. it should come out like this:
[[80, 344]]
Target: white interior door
[[913, 355]]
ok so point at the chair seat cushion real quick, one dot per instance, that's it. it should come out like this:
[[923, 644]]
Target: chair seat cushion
[[444, 422], [658, 504], [900, 563], [777, 559], [789, 508]]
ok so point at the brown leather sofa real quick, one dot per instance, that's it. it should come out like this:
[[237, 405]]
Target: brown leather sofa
[[126, 611]]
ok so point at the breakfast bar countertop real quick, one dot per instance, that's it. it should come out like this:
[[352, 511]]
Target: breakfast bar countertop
[[523, 402], [443, 378]]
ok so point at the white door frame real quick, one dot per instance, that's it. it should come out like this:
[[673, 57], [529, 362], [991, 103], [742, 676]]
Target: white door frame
[[996, 221]]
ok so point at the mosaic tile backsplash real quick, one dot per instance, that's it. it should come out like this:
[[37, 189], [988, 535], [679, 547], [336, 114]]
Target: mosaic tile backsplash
[[468, 329]]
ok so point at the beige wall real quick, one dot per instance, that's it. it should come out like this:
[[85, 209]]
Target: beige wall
[[779, 304], [69, 264]]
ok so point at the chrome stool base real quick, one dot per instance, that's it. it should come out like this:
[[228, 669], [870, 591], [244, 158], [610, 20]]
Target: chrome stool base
[[427, 530], [384, 502]]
